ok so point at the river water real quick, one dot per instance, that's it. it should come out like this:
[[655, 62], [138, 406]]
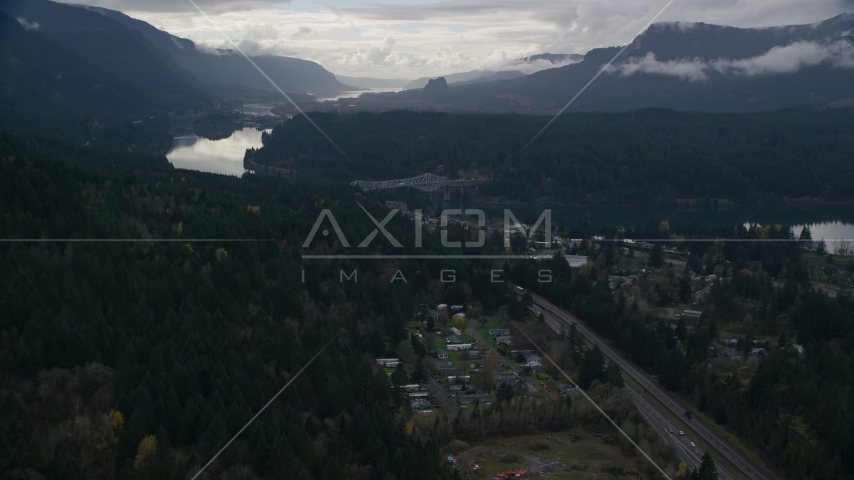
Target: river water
[[224, 156], [825, 221]]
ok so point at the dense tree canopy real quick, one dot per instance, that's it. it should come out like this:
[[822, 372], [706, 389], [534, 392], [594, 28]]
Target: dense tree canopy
[[644, 157]]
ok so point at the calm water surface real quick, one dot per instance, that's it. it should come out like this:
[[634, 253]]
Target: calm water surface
[[224, 156]]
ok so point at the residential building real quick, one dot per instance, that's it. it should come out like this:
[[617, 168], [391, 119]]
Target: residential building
[[499, 332], [478, 396], [388, 362], [564, 387], [441, 354]]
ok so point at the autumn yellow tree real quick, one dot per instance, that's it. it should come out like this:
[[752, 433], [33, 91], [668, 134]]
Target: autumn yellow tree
[[460, 323], [681, 471], [95, 441], [145, 454]]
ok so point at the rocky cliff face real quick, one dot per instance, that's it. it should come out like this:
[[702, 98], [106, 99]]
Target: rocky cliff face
[[436, 88]]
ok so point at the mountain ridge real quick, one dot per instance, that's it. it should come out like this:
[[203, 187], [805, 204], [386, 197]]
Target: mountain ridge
[[207, 72], [697, 67]]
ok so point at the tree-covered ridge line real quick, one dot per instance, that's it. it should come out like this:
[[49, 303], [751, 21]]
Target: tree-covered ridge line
[[644, 157]]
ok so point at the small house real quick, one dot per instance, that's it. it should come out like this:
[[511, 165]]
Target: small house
[[478, 396], [387, 362]]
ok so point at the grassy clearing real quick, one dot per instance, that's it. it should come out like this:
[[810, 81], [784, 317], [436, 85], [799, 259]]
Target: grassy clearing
[[483, 331], [584, 455], [497, 461]]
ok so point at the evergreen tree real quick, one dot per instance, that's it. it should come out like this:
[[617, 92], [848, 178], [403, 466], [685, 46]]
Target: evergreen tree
[[505, 392], [419, 374], [656, 258], [592, 368], [681, 330]]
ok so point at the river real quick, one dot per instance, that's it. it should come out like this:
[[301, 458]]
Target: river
[[825, 221], [224, 156]]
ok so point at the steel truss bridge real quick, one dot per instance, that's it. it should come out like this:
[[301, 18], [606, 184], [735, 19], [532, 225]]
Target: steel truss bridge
[[427, 182]]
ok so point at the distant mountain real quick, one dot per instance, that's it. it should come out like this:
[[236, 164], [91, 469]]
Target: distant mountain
[[436, 88], [552, 58], [688, 66], [492, 77], [478, 76], [104, 37], [467, 78], [450, 78], [228, 71], [368, 82], [119, 51], [48, 90]]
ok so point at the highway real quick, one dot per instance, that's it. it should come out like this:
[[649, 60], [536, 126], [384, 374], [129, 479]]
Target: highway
[[692, 456], [722, 445]]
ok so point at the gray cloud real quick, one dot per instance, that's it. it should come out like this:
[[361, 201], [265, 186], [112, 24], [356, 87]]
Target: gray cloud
[[691, 70], [31, 26], [776, 61], [440, 36], [302, 32], [177, 6]]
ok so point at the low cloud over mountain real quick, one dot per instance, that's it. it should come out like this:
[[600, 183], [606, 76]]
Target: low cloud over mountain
[[781, 60]]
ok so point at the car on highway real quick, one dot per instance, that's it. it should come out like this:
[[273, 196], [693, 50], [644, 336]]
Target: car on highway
[[681, 432], [693, 444], [669, 430]]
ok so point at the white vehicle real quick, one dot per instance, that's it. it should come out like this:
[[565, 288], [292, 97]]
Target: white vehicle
[[693, 444], [681, 432]]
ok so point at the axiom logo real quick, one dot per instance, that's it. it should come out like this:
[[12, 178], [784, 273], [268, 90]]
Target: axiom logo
[[511, 225]]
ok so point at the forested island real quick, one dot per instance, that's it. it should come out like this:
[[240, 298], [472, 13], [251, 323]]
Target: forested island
[[648, 157]]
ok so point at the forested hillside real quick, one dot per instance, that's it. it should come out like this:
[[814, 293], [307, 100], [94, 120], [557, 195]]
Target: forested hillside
[[47, 89], [645, 157], [141, 359]]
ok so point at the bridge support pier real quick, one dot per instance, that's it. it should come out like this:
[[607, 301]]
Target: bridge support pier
[[447, 193]]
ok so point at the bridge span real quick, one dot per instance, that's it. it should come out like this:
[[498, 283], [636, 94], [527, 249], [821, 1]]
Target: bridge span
[[426, 182]]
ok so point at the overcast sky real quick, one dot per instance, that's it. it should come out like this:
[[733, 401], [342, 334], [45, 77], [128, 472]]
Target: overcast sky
[[413, 38]]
